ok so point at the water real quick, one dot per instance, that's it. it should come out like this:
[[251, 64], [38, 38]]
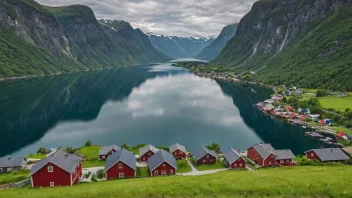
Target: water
[[157, 104]]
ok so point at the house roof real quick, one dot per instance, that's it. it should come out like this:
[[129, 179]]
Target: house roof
[[104, 150], [65, 161], [160, 157], [203, 151], [176, 147], [147, 148], [122, 155], [231, 155], [284, 154], [264, 150], [348, 150], [7, 162], [330, 154]]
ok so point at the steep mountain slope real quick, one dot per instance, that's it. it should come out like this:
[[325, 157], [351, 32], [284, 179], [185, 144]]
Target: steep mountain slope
[[213, 50], [137, 42], [38, 40], [304, 42], [179, 47]]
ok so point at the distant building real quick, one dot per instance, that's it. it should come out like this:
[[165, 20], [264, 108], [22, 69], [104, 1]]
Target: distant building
[[146, 152], [8, 164], [162, 163], [234, 160], [303, 111], [327, 155], [178, 151], [58, 169], [204, 156], [288, 93], [106, 151], [284, 157], [121, 164]]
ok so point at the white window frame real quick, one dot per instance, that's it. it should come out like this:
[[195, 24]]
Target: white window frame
[[120, 165], [164, 165], [156, 172], [269, 162], [312, 154], [235, 164], [163, 172], [207, 156], [121, 175], [281, 161], [103, 156], [287, 161], [50, 169], [172, 171], [1, 170], [52, 184], [9, 169], [240, 164]]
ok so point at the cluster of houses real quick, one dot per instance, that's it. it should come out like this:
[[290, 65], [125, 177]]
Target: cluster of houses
[[65, 169]]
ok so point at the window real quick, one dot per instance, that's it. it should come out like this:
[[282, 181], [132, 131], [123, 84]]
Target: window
[[204, 161], [164, 165], [156, 172], [281, 161], [287, 161], [312, 154], [269, 162], [9, 169], [52, 184], [1, 170], [273, 156], [120, 165], [235, 165], [207, 156], [143, 158], [103, 157], [50, 169], [171, 171], [121, 175], [241, 165], [163, 172]]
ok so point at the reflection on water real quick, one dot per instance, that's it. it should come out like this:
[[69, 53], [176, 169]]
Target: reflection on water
[[156, 104]]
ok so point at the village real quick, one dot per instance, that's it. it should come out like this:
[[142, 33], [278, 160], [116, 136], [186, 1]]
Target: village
[[60, 167]]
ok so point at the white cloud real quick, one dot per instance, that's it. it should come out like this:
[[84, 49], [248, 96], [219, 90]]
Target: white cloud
[[172, 17]]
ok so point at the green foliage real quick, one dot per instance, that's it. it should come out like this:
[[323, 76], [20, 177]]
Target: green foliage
[[100, 174], [89, 152], [322, 92], [142, 172], [349, 161], [14, 176], [88, 143], [163, 147], [69, 150], [214, 146], [42, 151]]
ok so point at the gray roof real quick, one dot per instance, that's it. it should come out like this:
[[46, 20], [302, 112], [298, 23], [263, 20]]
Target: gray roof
[[231, 156], [331, 154], [176, 147], [65, 161], [203, 151], [160, 157], [284, 154], [264, 150], [147, 148], [7, 162], [122, 155], [104, 150]]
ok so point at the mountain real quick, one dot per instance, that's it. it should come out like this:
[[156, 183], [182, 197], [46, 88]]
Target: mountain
[[213, 50], [179, 47], [304, 42], [39, 40]]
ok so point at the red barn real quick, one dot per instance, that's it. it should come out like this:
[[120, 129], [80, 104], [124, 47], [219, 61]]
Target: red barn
[[58, 169], [146, 152], [233, 159], [162, 163], [121, 164], [178, 151], [106, 151], [262, 154], [204, 156], [284, 157], [327, 155]]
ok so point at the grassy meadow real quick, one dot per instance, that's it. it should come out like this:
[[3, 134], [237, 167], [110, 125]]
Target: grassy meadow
[[183, 166], [14, 176], [218, 165], [36, 156], [89, 164], [89, 152], [308, 181]]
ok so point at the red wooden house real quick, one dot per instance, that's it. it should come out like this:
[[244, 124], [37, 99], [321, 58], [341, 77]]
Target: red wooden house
[[106, 151], [204, 156], [162, 163], [262, 154], [284, 157], [327, 155], [178, 151], [58, 169], [234, 160], [146, 152], [121, 164]]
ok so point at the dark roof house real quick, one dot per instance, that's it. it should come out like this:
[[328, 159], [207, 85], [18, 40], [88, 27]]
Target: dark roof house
[[176, 147], [284, 154], [264, 150], [104, 150], [122, 155], [147, 148], [330, 154], [11, 162], [202, 151], [160, 157], [231, 155]]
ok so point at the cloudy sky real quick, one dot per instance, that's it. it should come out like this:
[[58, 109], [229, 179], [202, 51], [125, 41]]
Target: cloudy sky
[[172, 17]]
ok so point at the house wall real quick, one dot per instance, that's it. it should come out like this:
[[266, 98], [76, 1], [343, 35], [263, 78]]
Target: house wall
[[114, 171], [206, 159], [164, 166], [76, 176], [43, 178], [286, 162], [105, 157], [4, 170], [146, 156], [253, 155], [312, 156], [179, 154], [270, 160], [238, 164]]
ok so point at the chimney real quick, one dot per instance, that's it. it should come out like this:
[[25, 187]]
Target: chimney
[[8, 157]]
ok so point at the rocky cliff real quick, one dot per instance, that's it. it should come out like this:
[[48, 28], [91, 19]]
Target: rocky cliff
[[305, 42], [213, 49]]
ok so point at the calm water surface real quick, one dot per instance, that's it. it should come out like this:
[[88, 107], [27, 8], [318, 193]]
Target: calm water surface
[[157, 104]]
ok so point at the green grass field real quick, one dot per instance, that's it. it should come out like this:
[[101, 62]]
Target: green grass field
[[318, 181], [142, 172], [36, 156], [217, 165], [183, 166], [336, 103], [89, 164], [89, 151], [12, 177]]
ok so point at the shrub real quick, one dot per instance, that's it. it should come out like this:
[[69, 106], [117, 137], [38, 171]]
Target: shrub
[[101, 174], [322, 92], [88, 143], [42, 151]]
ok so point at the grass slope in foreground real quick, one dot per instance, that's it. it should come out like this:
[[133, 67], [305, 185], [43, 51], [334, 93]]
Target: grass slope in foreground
[[322, 181]]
